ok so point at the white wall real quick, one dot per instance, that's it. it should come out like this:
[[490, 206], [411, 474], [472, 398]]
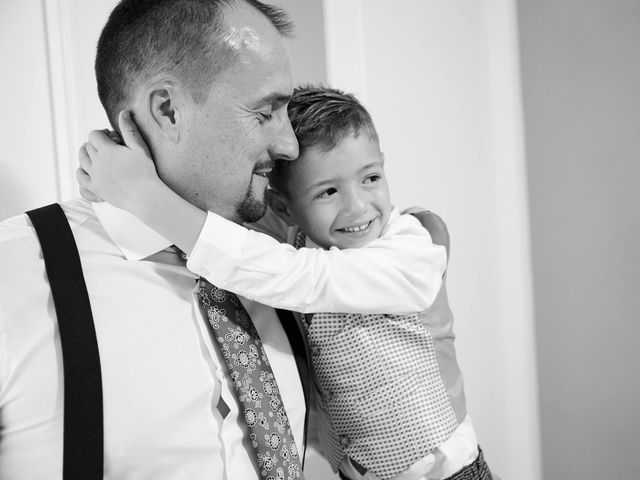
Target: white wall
[[27, 169], [47, 50], [581, 78], [307, 48], [441, 80]]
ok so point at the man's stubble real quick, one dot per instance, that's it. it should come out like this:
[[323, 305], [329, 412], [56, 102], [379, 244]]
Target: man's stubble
[[251, 209]]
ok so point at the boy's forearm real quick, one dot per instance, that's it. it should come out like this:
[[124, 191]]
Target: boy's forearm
[[163, 210], [397, 274]]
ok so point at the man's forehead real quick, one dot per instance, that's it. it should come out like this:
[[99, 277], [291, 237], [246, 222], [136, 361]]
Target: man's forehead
[[259, 72], [238, 38], [247, 28]]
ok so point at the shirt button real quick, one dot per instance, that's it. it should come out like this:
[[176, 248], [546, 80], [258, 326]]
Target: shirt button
[[315, 350], [344, 441]]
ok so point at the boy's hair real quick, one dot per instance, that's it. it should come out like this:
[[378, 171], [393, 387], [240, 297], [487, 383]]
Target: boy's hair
[[144, 38], [321, 117]]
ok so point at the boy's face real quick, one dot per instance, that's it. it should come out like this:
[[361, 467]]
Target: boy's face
[[340, 197]]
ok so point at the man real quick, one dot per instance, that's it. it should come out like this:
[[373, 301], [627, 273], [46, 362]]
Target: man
[[208, 82]]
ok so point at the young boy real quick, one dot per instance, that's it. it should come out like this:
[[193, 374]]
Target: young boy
[[391, 400]]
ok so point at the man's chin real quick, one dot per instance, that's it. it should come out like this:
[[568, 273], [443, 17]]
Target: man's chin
[[253, 206], [251, 210]]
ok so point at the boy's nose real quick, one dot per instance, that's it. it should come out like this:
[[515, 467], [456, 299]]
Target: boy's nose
[[354, 203]]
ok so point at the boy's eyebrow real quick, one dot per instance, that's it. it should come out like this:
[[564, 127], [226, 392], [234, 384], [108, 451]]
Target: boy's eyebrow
[[377, 163], [313, 186]]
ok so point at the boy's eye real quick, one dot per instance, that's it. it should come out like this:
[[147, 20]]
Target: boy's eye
[[326, 193], [373, 178]]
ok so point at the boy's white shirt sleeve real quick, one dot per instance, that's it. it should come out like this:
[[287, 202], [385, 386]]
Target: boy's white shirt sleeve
[[399, 272]]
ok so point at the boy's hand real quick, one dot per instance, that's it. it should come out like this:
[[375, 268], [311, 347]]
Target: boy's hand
[[434, 225], [116, 173]]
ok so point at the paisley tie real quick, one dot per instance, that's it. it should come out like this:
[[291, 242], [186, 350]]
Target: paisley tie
[[256, 388]]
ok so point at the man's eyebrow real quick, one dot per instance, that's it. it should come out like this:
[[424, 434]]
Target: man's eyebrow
[[272, 98]]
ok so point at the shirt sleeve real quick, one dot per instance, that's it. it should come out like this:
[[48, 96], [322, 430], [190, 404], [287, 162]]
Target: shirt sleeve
[[399, 272]]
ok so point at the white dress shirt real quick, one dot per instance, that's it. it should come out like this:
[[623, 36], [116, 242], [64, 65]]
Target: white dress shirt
[[399, 272], [162, 378]]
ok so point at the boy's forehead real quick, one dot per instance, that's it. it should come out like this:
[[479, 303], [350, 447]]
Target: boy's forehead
[[317, 164], [351, 149]]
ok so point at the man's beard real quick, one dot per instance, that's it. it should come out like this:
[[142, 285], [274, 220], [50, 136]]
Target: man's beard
[[251, 209]]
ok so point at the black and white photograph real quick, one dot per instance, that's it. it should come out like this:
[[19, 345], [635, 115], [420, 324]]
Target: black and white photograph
[[319, 239]]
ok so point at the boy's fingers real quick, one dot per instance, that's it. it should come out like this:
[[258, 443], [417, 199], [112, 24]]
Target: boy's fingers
[[84, 160], [130, 133], [115, 136], [99, 139], [90, 149], [84, 183], [83, 177]]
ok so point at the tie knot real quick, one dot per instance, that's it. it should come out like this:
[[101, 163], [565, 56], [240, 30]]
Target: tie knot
[[183, 256]]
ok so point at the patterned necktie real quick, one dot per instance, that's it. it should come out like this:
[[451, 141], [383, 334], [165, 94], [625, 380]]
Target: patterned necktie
[[254, 383]]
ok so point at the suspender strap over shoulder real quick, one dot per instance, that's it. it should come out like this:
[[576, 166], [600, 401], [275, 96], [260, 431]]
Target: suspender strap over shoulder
[[83, 453]]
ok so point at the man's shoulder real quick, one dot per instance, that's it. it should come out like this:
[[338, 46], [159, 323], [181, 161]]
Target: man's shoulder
[[18, 229]]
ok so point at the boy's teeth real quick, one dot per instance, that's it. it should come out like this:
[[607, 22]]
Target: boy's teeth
[[357, 228]]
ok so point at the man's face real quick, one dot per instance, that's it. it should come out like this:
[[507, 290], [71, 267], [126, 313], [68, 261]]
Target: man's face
[[229, 142], [340, 197]]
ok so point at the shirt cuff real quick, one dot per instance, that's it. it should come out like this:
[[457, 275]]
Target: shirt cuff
[[217, 251]]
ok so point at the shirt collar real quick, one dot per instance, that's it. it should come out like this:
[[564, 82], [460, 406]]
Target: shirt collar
[[393, 216], [133, 238]]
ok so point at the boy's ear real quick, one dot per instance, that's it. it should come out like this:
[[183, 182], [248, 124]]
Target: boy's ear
[[280, 205], [164, 110]]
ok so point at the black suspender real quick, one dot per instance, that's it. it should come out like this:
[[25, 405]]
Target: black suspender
[[297, 340], [83, 418]]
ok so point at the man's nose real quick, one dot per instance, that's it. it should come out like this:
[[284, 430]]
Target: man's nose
[[285, 145]]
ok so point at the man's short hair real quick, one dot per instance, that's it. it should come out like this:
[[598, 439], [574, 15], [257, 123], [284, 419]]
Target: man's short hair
[[321, 117], [144, 38]]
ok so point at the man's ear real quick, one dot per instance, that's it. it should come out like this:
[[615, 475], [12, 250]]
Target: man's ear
[[279, 203], [165, 110]]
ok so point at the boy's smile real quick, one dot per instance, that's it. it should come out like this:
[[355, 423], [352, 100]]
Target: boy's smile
[[340, 197]]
